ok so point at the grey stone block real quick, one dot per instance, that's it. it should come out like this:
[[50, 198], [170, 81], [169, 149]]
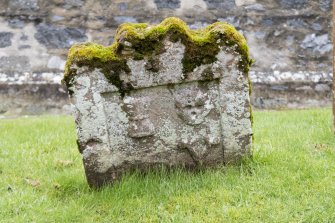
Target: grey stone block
[[325, 5], [255, 7], [124, 19], [167, 4], [5, 39], [320, 44], [16, 23], [23, 6], [68, 4], [294, 4], [220, 4], [22, 47], [123, 6], [322, 87], [58, 37]]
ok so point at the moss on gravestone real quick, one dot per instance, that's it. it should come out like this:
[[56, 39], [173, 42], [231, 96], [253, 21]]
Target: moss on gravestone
[[142, 41]]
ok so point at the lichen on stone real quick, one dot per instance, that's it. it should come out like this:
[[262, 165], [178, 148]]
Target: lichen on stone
[[141, 41]]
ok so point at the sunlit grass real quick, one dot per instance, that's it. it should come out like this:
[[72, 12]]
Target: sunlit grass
[[291, 177]]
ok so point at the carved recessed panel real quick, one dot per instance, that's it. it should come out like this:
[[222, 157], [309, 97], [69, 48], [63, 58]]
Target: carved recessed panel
[[193, 104], [183, 117], [139, 124]]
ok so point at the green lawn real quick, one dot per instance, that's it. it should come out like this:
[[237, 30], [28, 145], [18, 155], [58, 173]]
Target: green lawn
[[291, 177]]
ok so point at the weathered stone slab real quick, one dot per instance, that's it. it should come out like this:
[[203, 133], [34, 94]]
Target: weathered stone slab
[[162, 95]]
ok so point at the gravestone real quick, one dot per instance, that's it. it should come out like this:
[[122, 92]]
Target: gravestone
[[161, 95]]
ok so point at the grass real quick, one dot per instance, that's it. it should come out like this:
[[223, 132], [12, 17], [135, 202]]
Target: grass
[[291, 177]]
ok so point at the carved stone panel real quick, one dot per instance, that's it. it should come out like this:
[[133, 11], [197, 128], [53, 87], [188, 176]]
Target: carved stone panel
[[184, 117]]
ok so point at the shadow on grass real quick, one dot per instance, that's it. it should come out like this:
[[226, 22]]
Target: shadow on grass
[[161, 182]]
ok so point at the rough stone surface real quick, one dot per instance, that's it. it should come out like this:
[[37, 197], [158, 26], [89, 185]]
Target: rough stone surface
[[219, 4], [169, 4], [5, 39], [14, 63], [295, 4], [19, 6], [321, 44], [166, 119], [124, 19], [57, 37], [325, 5]]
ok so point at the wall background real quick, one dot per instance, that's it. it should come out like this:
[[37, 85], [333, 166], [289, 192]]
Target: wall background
[[289, 39]]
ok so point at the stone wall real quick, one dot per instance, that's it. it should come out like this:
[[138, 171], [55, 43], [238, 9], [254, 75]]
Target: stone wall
[[284, 36]]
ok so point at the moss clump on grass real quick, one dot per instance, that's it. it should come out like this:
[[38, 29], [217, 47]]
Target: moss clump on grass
[[144, 42]]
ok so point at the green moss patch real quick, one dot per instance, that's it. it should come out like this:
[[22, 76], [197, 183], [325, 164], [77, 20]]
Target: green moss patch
[[145, 42]]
